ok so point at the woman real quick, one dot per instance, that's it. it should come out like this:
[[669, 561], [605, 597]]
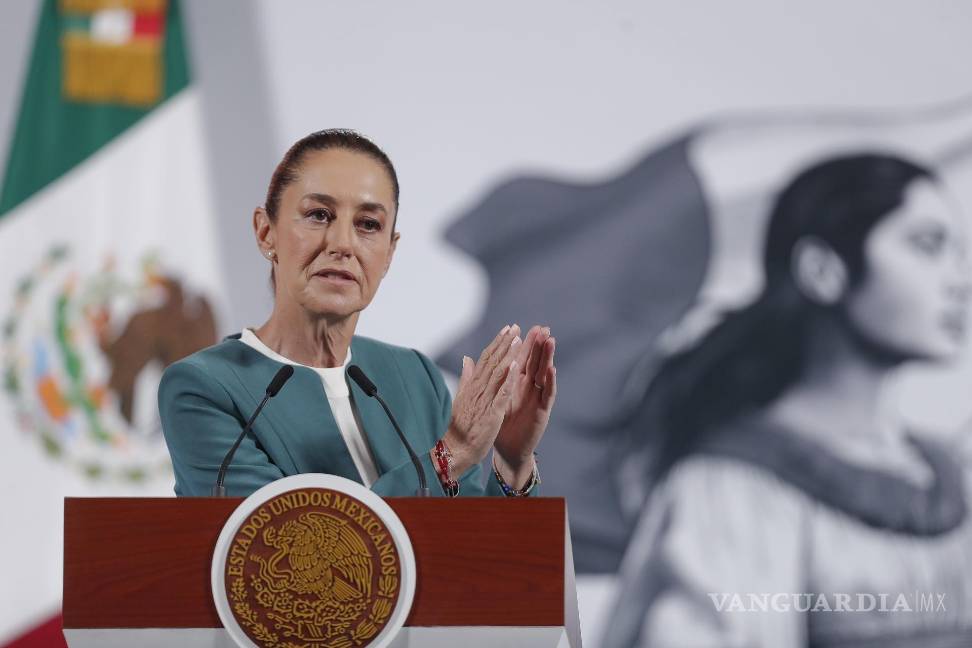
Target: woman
[[783, 488], [328, 230]]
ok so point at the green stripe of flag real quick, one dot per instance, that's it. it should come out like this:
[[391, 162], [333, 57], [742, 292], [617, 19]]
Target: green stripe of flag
[[76, 22], [53, 135]]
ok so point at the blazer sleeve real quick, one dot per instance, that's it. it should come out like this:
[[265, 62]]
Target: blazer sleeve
[[200, 423], [402, 479]]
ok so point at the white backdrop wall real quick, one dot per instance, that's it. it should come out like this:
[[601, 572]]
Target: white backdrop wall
[[463, 95]]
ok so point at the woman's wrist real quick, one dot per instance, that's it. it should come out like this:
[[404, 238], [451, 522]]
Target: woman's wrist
[[521, 489], [445, 470], [517, 474], [462, 458]]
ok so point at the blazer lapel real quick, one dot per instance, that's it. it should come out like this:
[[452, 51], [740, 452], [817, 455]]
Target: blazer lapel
[[313, 438], [300, 418]]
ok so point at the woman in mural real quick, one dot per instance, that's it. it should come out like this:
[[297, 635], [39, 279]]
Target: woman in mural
[[790, 510]]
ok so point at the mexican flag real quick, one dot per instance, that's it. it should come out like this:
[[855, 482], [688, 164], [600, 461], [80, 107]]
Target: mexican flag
[[111, 272]]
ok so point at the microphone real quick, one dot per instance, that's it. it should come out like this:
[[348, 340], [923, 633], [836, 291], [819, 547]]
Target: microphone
[[282, 376], [370, 390]]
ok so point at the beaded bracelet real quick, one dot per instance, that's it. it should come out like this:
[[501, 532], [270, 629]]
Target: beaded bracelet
[[508, 490], [446, 464]]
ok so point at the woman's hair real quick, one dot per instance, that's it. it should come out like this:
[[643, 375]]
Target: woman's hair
[[756, 353], [332, 138]]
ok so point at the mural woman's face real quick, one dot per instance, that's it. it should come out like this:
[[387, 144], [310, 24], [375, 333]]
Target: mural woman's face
[[912, 300]]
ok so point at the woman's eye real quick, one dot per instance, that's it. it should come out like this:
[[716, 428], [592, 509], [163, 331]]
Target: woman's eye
[[320, 215], [931, 243], [370, 225]]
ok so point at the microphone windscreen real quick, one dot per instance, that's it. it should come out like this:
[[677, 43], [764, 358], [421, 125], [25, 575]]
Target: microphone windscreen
[[282, 376], [361, 380]]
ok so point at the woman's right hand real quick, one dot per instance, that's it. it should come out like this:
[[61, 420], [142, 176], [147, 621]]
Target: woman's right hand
[[482, 398]]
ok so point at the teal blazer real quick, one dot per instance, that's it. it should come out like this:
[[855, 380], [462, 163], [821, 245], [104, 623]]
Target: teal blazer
[[206, 398]]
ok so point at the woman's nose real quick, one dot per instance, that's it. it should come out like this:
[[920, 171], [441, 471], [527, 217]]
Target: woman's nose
[[339, 238], [959, 286]]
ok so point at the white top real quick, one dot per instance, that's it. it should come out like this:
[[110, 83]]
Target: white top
[[342, 407], [717, 528]]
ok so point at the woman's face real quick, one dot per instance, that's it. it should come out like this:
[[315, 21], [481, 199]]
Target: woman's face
[[913, 296], [333, 233]]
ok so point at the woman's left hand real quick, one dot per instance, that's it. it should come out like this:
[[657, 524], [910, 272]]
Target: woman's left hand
[[534, 392]]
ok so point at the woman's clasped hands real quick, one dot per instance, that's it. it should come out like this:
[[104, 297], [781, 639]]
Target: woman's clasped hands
[[503, 402]]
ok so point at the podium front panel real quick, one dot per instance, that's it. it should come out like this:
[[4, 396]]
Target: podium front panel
[[144, 563]]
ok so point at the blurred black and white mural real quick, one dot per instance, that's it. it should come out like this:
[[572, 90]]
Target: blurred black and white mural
[[746, 315]]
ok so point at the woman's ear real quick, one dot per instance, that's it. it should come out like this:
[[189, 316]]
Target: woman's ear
[[263, 230], [819, 272]]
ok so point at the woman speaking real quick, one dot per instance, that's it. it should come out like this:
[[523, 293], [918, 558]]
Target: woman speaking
[[328, 230]]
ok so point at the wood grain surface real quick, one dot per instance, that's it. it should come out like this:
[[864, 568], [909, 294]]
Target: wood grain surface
[[145, 562]]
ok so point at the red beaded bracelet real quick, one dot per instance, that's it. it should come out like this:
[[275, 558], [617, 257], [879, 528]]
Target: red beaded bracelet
[[443, 458]]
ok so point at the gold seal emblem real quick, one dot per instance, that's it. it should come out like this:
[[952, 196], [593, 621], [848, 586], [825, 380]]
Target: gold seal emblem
[[312, 568]]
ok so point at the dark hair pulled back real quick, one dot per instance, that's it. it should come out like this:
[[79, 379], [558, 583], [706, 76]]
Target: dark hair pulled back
[[759, 351], [288, 169]]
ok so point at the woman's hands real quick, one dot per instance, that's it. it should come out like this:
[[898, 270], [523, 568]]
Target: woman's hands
[[534, 392], [504, 401], [482, 399]]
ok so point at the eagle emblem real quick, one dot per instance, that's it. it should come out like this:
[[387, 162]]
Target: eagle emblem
[[83, 348], [322, 556], [313, 569]]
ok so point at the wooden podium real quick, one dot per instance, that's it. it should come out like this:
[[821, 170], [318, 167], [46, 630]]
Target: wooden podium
[[490, 572]]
